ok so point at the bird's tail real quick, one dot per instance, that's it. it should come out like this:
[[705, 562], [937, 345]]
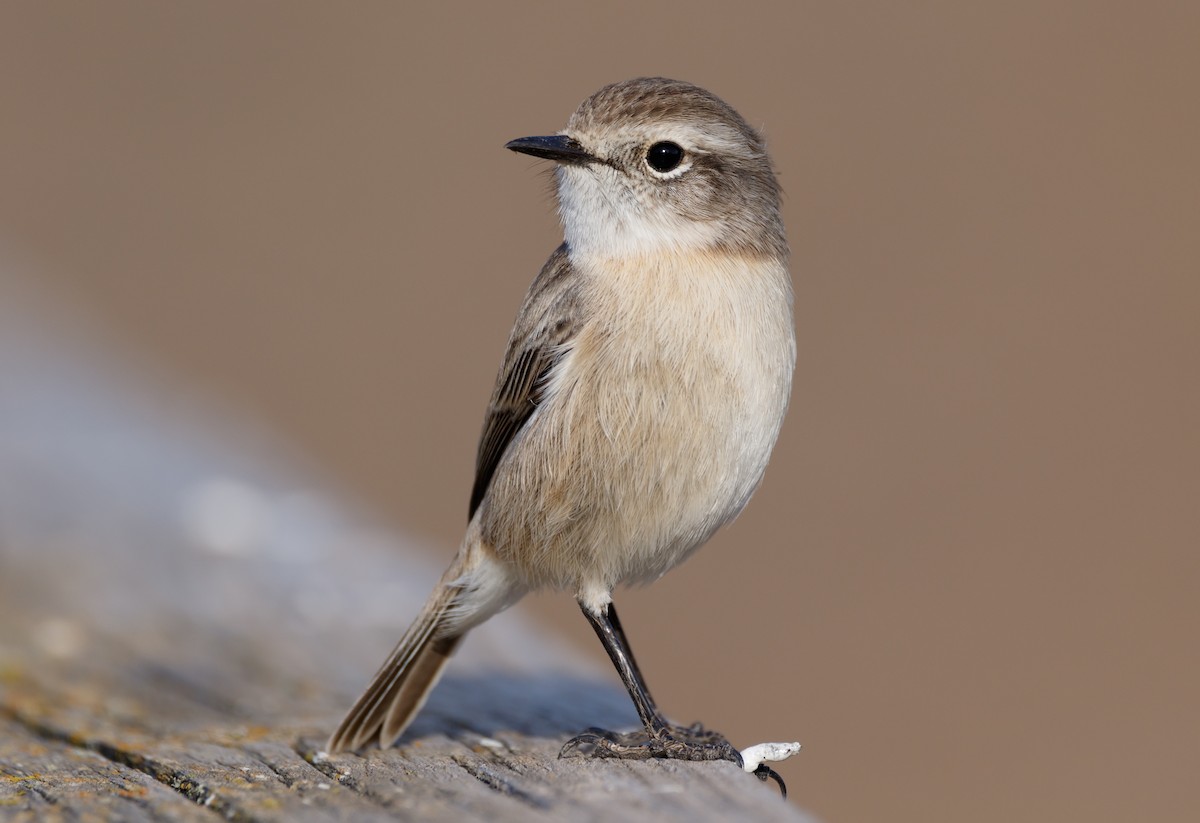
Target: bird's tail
[[472, 589], [402, 683]]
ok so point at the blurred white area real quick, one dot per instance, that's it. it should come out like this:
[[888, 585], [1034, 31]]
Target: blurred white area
[[129, 496]]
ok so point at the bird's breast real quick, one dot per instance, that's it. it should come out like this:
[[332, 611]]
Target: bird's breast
[[656, 426]]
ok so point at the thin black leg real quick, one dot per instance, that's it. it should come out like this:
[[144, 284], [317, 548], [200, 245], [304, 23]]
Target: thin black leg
[[608, 629], [619, 633], [660, 738]]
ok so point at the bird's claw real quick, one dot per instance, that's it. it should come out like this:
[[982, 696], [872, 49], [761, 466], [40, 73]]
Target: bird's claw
[[674, 743], [764, 772]]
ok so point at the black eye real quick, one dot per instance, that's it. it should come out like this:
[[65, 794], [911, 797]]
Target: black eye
[[663, 157]]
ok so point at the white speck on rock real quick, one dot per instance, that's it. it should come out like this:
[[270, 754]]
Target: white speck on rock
[[59, 637], [752, 756]]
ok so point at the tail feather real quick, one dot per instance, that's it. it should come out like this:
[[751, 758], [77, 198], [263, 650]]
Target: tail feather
[[400, 687], [475, 587], [410, 695]]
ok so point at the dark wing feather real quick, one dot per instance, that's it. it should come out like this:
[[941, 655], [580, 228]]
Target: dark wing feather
[[545, 326]]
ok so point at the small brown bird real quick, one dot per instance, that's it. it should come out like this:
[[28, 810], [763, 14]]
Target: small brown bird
[[644, 385]]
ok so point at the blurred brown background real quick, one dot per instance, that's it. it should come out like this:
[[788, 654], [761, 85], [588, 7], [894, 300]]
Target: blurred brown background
[[969, 583]]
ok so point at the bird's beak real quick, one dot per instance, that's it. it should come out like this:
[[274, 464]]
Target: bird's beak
[[558, 147]]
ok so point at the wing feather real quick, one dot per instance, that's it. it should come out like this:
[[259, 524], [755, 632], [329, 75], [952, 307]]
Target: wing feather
[[545, 327]]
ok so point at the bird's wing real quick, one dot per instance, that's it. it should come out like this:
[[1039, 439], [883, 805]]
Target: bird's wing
[[545, 326]]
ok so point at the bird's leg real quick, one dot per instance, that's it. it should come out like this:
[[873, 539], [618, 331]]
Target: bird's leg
[[660, 738], [695, 731]]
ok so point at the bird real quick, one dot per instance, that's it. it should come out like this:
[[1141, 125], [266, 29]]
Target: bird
[[640, 396]]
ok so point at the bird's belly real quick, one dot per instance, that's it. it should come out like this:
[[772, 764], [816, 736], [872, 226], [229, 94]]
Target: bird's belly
[[637, 456]]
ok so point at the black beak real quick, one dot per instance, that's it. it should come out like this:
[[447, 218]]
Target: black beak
[[558, 147]]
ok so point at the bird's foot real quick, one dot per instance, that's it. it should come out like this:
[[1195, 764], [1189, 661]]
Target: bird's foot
[[669, 742]]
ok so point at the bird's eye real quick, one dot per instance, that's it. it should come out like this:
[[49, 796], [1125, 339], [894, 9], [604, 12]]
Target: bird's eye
[[663, 157]]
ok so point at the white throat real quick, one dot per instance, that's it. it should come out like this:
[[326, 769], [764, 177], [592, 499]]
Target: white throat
[[603, 218]]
